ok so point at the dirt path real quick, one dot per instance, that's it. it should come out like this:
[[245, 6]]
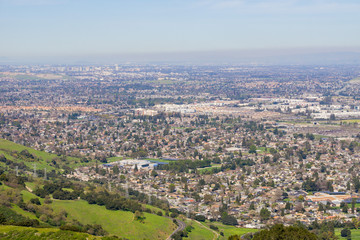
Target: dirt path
[[216, 235], [29, 189]]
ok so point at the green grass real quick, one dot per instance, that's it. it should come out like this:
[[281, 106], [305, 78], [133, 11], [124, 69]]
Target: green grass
[[24, 213], [7, 228], [350, 121], [27, 77], [355, 234], [28, 195], [263, 149], [158, 160], [31, 185], [8, 232], [318, 137], [199, 232], [44, 158], [208, 169], [114, 159], [120, 223], [230, 230], [154, 209], [357, 205], [68, 189]]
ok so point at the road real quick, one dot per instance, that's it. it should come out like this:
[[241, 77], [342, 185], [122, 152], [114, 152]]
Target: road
[[181, 227]]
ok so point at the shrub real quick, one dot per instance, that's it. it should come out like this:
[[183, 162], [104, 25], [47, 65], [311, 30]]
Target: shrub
[[214, 227], [35, 201], [200, 218]]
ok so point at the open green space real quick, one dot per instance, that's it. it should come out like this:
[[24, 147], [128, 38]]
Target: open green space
[[7, 228], [230, 230], [357, 205], [114, 159], [208, 169], [263, 150], [350, 121], [28, 195], [317, 136], [31, 185], [17, 232], [120, 223], [42, 159], [22, 212], [355, 234], [27, 77], [199, 232], [158, 160]]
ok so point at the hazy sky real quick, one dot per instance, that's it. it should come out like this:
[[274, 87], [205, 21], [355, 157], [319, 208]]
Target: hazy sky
[[88, 27]]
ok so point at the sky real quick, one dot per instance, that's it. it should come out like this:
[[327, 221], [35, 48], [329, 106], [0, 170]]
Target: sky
[[65, 28]]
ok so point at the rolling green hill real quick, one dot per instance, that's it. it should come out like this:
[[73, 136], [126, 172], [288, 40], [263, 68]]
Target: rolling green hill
[[17, 232], [13, 152], [119, 223]]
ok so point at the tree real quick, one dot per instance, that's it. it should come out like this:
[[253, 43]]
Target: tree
[[346, 233], [35, 201], [353, 204], [279, 231], [288, 206], [252, 206], [229, 220], [355, 222], [265, 214], [154, 173], [208, 198], [200, 218], [345, 208], [310, 136], [172, 187], [116, 170], [139, 216], [2, 218], [252, 149]]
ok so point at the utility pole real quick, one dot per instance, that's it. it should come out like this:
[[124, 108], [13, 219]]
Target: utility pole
[[45, 177], [17, 170]]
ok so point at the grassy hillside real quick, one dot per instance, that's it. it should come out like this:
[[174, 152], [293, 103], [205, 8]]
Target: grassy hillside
[[199, 232], [230, 230], [120, 223], [16, 232], [42, 159]]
